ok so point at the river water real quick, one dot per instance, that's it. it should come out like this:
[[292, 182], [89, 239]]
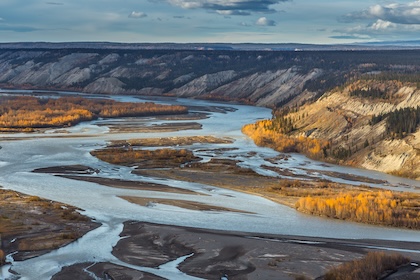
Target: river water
[[22, 153]]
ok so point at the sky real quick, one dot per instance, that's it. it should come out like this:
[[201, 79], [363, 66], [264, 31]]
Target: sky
[[211, 21]]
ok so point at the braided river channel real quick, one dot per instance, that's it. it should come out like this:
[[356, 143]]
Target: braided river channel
[[21, 153]]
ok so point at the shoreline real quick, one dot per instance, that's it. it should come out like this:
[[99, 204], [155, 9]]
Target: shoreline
[[31, 226], [237, 255], [226, 255]]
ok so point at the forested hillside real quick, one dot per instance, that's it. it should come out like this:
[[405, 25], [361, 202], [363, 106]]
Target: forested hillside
[[371, 122]]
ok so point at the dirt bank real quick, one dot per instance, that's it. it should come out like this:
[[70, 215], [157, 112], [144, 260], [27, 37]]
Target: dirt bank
[[32, 226]]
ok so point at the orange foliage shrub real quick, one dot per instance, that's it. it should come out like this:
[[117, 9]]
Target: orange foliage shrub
[[376, 207], [372, 266], [2, 257], [263, 134], [132, 157], [30, 112]]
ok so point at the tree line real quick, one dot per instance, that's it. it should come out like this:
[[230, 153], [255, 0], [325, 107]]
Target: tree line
[[375, 207], [372, 93], [400, 122]]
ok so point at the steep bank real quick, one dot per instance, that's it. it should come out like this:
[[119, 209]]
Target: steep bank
[[263, 78], [354, 126]]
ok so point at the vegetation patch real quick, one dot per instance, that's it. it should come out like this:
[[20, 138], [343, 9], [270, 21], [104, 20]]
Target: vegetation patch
[[36, 225], [170, 141], [374, 265], [372, 207], [266, 133], [160, 158], [25, 113]]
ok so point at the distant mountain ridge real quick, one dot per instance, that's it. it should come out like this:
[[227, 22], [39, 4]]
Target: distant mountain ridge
[[385, 45], [260, 77]]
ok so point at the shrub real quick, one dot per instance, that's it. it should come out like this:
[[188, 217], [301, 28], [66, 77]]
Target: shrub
[[372, 266]]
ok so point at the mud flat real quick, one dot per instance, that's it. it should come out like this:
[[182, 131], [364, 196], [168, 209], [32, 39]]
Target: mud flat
[[236, 255], [135, 126], [186, 204], [134, 185], [31, 226], [225, 173], [170, 141]]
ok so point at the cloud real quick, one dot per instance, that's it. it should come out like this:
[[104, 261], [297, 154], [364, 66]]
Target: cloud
[[135, 14], [383, 25], [408, 13], [263, 21], [229, 7], [379, 29], [349, 37], [232, 13], [54, 3], [19, 29]]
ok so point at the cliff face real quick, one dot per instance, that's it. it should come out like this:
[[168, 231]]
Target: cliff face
[[259, 79], [346, 121], [264, 78]]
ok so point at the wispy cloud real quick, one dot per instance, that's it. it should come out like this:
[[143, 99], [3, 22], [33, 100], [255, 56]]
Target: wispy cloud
[[232, 13], [135, 14], [19, 29], [229, 7], [263, 21], [54, 3], [349, 37]]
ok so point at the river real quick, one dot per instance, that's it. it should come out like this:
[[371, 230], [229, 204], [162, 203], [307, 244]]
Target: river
[[21, 153]]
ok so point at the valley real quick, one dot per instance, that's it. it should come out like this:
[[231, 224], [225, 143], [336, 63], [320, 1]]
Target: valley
[[203, 164], [113, 194]]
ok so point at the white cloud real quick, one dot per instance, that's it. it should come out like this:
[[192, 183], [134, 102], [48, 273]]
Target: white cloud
[[380, 29], [263, 21], [232, 13], [135, 14], [408, 13], [383, 25]]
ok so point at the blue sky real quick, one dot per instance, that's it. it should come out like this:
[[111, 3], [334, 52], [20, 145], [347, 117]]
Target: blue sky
[[259, 21]]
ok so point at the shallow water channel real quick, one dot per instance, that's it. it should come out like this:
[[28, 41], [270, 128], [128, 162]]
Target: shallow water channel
[[21, 153]]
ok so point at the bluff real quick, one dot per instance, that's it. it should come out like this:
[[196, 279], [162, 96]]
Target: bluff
[[264, 78], [367, 123]]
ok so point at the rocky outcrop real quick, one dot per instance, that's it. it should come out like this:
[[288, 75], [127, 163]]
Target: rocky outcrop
[[204, 84]]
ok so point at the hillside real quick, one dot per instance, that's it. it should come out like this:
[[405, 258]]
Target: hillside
[[264, 78], [367, 123]]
